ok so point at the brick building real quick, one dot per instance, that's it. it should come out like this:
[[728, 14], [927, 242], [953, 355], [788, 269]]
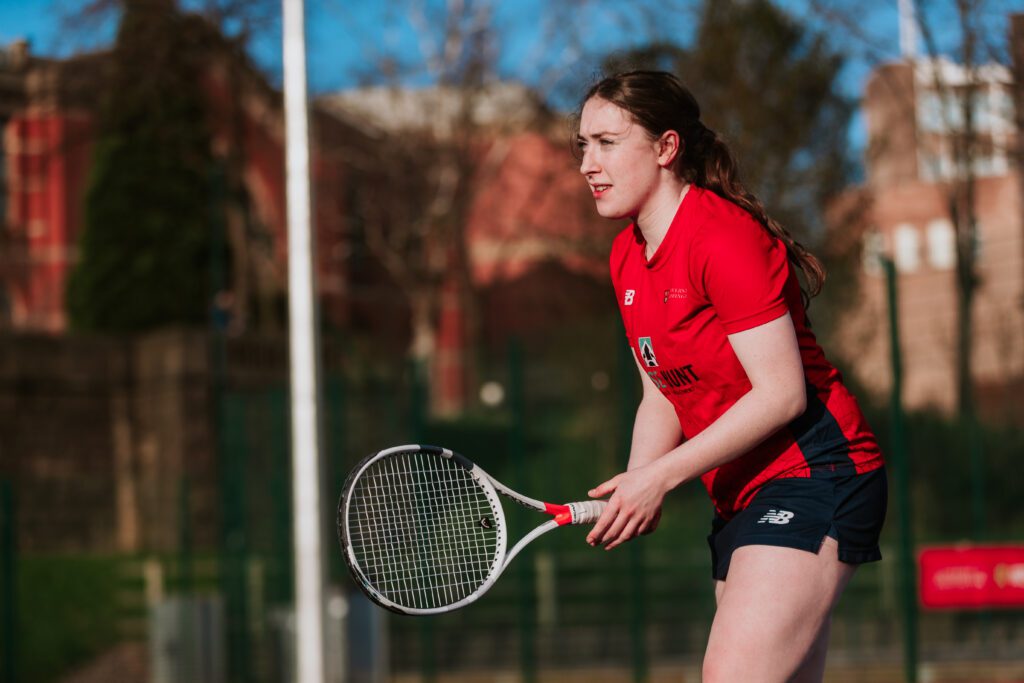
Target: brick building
[[47, 113], [45, 130], [913, 114], [534, 242], [105, 429]]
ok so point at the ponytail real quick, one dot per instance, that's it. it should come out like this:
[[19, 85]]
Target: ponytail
[[712, 166]]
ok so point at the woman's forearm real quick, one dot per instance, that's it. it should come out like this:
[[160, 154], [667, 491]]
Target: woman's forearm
[[752, 419], [656, 431], [770, 356]]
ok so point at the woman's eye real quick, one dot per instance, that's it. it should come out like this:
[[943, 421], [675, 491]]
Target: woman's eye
[[605, 143]]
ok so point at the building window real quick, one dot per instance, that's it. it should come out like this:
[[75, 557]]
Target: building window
[[936, 163], [874, 250], [906, 248], [940, 119], [987, 160], [991, 109], [941, 244], [995, 110], [938, 113], [979, 241]]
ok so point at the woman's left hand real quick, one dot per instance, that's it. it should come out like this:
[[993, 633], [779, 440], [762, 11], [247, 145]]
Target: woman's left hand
[[633, 509]]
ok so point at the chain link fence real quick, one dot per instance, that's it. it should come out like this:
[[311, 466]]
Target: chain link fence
[[145, 522]]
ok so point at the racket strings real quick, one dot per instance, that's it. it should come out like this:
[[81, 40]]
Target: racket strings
[[422, 530], [425, 579]]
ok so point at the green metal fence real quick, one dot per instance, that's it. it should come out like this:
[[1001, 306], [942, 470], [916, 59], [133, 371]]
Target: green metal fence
[[8, 585], [631, 609], [563, 606]]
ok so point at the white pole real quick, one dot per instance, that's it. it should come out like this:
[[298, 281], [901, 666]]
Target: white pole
[[309, 580]]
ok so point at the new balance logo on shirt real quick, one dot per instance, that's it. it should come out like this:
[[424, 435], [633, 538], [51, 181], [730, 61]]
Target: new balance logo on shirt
[[776, 517], [627, 300]]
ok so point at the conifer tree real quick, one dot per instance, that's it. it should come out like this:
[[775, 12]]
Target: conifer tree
[[145, 248]]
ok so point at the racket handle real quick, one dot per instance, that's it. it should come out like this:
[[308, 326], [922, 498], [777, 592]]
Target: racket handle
[[587, 511]]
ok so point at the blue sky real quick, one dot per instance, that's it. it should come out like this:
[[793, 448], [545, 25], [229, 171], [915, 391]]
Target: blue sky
[[342, 33]]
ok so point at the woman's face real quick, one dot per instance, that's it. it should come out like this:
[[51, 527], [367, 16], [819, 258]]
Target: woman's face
[[620, 160]]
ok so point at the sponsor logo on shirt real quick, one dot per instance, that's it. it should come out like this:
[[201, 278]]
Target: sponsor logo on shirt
[[647, 352], [675, 293], [679, 380], [628, 299]]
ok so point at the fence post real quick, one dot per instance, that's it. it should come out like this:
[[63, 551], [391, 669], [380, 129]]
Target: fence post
[[417, 428], [283, 582], [9, 588], [185, 574], [188, 655], [334, 423], [900, 455], [637, 566], [977, 451], [517, 451], [234, 548]]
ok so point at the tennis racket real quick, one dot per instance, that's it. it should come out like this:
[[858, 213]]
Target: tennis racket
[[423, 531]]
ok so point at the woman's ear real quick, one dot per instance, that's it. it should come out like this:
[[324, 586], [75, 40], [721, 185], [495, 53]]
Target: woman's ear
[[669, 147]]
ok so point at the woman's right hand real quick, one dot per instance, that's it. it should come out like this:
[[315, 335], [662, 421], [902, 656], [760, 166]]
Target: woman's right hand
[[634, 508]]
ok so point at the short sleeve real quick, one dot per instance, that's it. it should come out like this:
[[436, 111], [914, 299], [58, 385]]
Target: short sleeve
[[742, 270]]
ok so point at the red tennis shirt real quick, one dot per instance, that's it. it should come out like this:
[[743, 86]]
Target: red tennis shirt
[[718, 272]]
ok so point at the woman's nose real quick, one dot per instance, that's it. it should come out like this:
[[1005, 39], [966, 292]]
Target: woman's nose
[[587, 163]]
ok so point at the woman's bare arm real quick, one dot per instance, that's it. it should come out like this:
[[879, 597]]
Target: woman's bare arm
[[770, 356]]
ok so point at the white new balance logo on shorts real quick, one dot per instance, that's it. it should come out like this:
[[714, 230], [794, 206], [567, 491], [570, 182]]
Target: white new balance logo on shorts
[[776, 517]]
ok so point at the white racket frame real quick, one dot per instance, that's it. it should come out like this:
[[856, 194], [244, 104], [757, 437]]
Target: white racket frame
[[582, 512]]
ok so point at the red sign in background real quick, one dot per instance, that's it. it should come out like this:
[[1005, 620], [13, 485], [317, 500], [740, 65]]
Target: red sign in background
[[972, 577]]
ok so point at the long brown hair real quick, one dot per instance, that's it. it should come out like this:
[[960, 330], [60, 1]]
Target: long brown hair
[[659, 102]]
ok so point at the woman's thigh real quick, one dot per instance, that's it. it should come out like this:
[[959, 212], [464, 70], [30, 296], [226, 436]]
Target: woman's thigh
[[771, 609]]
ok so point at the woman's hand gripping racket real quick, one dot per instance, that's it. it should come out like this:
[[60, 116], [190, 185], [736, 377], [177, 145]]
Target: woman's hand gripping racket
[[423, 532]]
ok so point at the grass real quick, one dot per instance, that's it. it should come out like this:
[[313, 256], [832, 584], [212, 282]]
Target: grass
[[67, 613]]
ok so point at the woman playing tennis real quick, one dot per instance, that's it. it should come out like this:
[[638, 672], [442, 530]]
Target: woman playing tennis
[[737, 391]]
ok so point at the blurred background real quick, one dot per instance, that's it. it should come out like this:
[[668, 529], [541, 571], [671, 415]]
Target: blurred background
[[145, 472]]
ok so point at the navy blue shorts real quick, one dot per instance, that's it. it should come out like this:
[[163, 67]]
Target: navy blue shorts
[[800, 513]]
